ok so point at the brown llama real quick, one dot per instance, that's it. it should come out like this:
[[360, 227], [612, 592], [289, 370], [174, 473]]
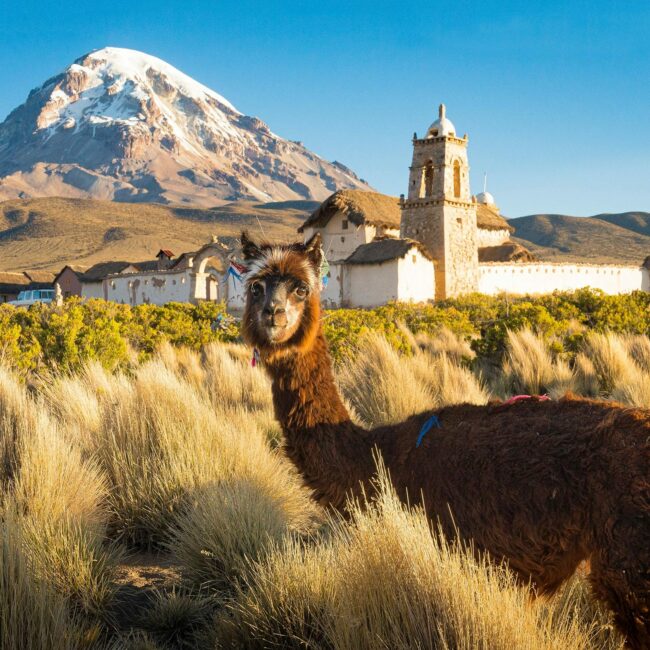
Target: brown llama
[[541, 484]]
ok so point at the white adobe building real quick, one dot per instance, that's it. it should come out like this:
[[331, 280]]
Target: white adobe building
[[191, 277], [439, 241]]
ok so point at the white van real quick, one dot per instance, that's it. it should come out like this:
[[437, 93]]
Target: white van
[[32, 296]]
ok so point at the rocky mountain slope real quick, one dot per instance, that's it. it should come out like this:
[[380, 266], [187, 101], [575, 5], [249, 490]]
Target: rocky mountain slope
[[48, 233], [125, 126], [602, 238]]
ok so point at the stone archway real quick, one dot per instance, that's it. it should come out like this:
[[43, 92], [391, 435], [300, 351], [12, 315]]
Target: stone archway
[[204, 286]]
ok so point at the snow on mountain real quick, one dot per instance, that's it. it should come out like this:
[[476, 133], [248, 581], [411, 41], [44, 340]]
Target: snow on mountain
[[120, 124]]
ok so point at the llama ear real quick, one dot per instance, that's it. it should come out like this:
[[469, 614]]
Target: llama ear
[[314, 250], [250, 249]]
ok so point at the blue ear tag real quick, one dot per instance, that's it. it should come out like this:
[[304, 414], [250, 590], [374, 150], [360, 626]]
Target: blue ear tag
[[433, 421]]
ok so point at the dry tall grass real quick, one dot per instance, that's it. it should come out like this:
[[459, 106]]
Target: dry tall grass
[[384, 580], [610, 366], [385, 387], [54, 516], [528, 366], [32, 614], [180, 454]]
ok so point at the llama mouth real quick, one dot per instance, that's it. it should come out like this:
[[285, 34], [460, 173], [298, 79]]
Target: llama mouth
[[274, 332]]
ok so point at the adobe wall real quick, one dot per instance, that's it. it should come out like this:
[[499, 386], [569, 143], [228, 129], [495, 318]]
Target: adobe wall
[[370, 285], [234, 293], [416, 279], [538, 278], [339, 244], [69, 283], [332, 295], [156, 288], [486, 237], [92, 290]]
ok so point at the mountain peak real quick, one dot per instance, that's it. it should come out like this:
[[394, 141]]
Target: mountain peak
[[125, 125], [133, 64]]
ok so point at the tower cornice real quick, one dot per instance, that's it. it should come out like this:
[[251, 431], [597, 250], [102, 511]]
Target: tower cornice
[[419, 142], [426, 201]]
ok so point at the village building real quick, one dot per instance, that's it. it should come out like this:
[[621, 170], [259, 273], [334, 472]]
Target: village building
[[351, 218], [135, 282], [445, 241], [88, 282], [68, 279], [206, 274]]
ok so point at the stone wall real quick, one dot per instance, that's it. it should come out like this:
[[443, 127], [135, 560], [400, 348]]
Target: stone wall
[[440, 153], [448, 230], [461, 268], [439, 212], [538, 278]]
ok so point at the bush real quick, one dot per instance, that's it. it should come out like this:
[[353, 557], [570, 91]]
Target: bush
[[66, 337], [116, 335]]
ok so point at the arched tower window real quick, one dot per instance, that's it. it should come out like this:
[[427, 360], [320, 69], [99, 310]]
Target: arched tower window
[[456, 178], [428, 179]]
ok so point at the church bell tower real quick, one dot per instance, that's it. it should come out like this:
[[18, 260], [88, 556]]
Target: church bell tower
[[439, 211]]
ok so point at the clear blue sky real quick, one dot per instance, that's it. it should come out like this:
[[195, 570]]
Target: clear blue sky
[[555, 96]]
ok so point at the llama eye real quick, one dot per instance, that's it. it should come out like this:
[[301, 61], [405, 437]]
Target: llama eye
[[257, 289], [301, 291]]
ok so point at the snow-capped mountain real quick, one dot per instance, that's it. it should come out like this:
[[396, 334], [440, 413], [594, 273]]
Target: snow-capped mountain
[[122, 125]]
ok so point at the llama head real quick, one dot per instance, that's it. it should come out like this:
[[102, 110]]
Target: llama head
[[282, 295]]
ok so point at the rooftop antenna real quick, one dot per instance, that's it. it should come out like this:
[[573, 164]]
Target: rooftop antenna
[[484, 182]]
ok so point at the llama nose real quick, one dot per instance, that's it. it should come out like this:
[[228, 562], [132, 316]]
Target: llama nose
[[273, 308]]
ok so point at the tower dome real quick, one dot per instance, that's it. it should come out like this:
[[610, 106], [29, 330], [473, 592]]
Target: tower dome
[[486, 198], [442, 126]]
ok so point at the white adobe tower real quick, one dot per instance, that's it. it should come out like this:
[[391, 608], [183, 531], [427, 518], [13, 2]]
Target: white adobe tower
[[439, 211]]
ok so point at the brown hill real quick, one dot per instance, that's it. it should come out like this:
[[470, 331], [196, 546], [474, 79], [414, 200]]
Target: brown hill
[[602, 238], [48, 233]]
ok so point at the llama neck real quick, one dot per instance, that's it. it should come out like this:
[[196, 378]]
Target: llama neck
[[331, 452], [304, 393]]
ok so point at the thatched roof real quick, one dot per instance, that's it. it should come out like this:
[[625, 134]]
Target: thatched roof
[[385, 249], [359, 207], [508, 252], [40, 277], [13, 282], [488, 218]]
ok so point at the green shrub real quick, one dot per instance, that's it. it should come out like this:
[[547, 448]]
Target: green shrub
[[68, 336]]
